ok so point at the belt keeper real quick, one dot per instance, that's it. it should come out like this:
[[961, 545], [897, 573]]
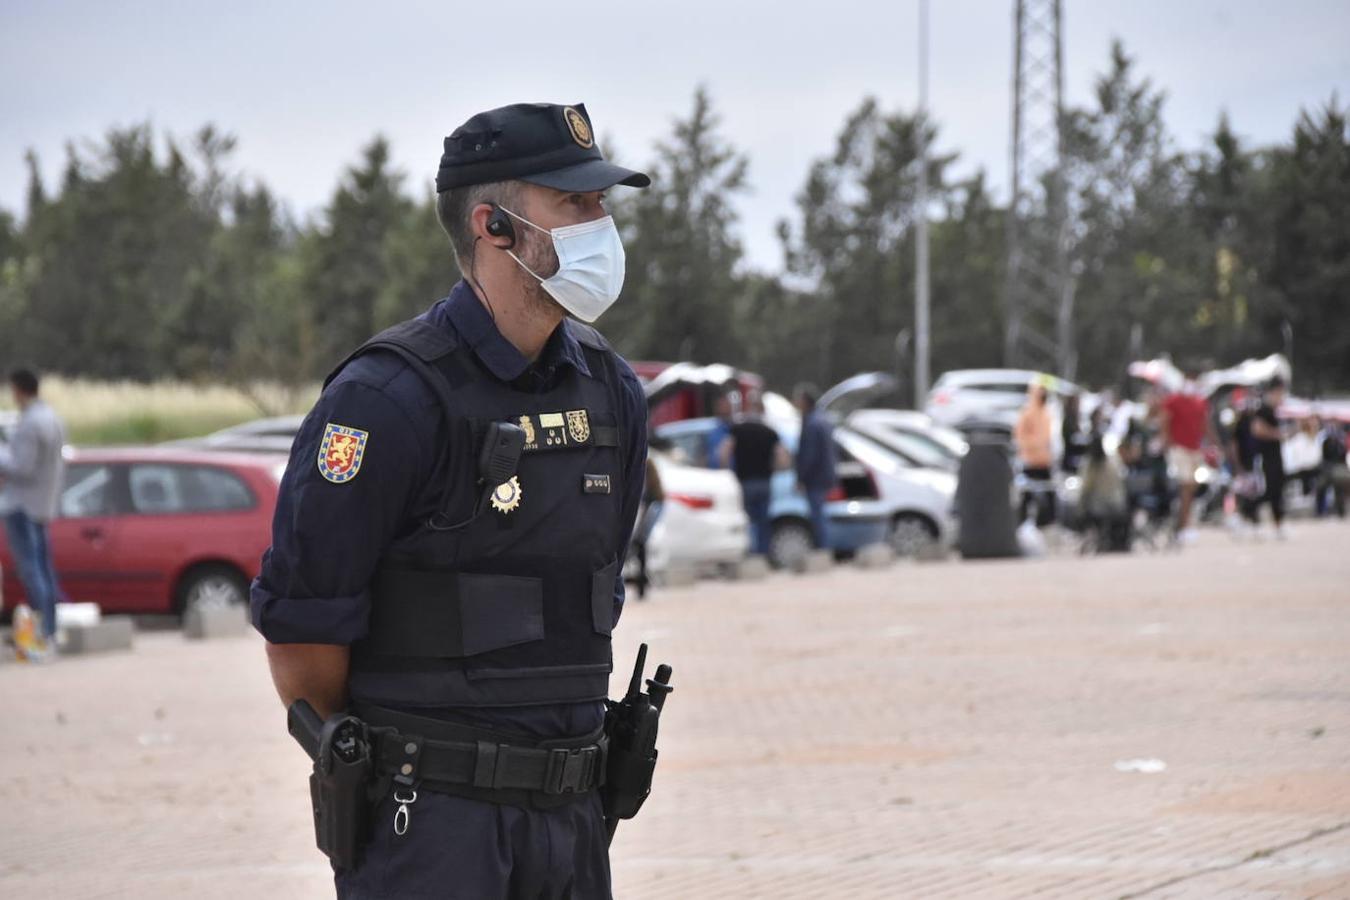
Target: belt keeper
[[485, 769], [408, 759]]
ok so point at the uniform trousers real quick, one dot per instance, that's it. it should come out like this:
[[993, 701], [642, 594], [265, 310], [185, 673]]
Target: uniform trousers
[[461, 849]]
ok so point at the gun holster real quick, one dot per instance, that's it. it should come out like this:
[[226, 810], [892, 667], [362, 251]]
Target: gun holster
[[339, 787]]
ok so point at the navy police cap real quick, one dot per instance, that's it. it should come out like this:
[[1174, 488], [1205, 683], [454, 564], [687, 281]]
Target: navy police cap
[[541, 143]]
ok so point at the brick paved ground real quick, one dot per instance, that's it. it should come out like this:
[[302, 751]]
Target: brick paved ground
[[927, 731]]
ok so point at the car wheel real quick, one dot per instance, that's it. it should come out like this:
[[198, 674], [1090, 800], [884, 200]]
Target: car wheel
[[212, 587], [790, 541], [912, 534]]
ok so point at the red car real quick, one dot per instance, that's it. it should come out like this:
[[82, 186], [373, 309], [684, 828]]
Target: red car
[[157, 530]]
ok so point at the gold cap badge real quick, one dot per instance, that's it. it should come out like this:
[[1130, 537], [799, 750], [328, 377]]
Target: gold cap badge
[[506, 497], [581, 130]]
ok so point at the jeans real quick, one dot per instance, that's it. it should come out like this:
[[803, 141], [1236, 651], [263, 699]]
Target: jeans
[[755, 494], [820, 524], [32, 555]]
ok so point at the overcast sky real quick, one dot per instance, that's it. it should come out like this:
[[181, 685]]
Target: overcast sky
[[305, 84]]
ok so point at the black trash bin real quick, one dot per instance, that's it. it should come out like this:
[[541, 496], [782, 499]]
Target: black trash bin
[[984, 502]]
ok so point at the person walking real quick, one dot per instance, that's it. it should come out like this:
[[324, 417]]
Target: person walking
[[816, 461], [1266, 439], [752, 450], [1033, 436], [32, 469], [1074, 439], [1184, 415], [1335, 475], [450, 534]]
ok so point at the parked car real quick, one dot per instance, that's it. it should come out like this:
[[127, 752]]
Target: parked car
[[856, 514], [703, 524], [918, 500], [913, 435], [158, 530], [988, 400], [271, 435]]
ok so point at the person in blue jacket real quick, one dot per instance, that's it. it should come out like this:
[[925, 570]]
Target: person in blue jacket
[[449, 612], [816, 461]]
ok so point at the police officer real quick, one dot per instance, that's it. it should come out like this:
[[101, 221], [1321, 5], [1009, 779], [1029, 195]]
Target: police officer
[[468, 622]]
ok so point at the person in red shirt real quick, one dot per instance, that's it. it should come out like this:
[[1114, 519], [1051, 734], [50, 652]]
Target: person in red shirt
[[1185, 424]]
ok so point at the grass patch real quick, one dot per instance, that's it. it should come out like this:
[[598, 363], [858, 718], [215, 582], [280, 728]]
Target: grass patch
[[100, 413]]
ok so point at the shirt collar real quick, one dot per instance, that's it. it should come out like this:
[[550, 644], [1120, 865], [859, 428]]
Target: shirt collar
[[470, 318]]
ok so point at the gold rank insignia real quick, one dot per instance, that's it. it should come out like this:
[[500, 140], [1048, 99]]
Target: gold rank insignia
[[580, 128], [578, 425], [506, 497], [527, 425]]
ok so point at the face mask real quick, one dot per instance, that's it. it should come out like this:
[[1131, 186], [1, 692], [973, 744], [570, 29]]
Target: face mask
[[590, 266]]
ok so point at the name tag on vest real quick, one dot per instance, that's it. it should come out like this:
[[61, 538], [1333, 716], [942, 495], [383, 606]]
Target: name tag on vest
[[595, 484]]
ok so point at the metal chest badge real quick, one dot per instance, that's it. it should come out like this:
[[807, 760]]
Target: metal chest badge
[[578, 425], [341, 451], [506, 496]]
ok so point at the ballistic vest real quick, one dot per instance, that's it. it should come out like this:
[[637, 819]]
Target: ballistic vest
[[513, 605]]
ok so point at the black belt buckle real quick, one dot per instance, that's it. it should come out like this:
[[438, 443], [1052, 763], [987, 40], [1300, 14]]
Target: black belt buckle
[[570, 770]]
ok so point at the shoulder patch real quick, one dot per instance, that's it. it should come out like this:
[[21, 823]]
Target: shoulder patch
[[341, 451]]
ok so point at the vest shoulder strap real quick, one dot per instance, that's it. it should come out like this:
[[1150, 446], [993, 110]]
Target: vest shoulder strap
[[413, 339]]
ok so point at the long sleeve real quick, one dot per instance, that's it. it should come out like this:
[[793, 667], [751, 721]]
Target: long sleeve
[[20, 459], [327, 536]]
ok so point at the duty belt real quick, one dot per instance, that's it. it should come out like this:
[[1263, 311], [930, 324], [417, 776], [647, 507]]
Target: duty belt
[[476, 762]]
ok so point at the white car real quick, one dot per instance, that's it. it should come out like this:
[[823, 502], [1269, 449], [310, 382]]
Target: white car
[[918, 500], [913, 435], [273, 435], [990, 399], [703, 525]]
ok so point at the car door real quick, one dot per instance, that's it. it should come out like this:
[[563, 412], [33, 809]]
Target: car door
[[83, 535], [179, 513]]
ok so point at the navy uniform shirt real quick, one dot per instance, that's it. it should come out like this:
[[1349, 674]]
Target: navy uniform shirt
[[327, 539]]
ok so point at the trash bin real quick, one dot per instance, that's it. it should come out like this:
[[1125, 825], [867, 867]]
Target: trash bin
[[984, 502]]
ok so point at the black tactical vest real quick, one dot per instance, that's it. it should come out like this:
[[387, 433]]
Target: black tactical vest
[[516, 607]]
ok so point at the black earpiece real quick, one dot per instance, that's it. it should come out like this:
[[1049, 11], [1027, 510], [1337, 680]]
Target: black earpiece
[[499, 224]]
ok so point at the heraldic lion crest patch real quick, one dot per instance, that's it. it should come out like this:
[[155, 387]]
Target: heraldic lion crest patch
[[341, 451]]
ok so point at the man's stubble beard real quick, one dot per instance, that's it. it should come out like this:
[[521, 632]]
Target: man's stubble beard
[[542, 258]]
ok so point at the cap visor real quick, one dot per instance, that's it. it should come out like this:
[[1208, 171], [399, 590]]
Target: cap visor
[[592, 175]]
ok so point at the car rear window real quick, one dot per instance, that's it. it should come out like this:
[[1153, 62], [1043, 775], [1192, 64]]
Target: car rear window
[[88, 492], [161, 489]]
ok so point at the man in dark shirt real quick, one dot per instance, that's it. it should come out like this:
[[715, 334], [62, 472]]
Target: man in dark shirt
[[1266, 440], [816, 461], [451, 611], [753, 450]]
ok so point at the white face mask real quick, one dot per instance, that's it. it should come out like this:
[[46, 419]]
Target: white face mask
[[590, 266]]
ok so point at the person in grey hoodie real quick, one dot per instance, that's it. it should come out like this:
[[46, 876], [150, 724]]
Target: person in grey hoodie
[[31, 470]]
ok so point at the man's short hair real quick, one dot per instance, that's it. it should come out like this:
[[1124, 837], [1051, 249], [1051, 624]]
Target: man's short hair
[[25, 380], [808, 394], [454, 206]]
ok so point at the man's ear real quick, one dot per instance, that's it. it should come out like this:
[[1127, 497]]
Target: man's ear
[[490, 223]]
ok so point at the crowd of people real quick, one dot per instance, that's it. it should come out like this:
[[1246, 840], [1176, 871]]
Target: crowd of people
[[1144, 466]]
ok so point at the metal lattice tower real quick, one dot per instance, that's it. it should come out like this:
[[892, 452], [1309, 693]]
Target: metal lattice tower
[[1038, 293]]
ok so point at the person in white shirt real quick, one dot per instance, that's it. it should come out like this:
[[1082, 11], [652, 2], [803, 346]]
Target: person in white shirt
[[32, 468]]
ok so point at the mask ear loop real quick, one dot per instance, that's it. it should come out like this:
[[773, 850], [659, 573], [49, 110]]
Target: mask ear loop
[[511, 253]]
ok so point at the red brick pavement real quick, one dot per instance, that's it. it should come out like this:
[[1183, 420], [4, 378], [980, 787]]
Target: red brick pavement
[[938, 730]]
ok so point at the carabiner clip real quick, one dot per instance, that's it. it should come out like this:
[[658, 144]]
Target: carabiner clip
[[401, 815]]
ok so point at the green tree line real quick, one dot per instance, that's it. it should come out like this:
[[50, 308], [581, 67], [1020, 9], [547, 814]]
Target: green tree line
[[144, 263]]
